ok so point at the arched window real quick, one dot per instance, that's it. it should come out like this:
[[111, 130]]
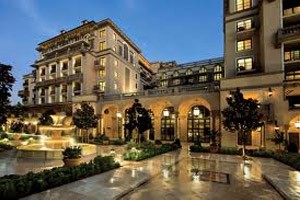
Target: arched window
[[164, 76], [189, 72], [125, 52], [198, 124], [168, 124], [176, 73], [202, 70], [218, 68]]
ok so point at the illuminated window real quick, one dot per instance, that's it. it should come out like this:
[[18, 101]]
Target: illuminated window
[[116, 63], [102, 33], [244, 64], [116, 74], [244, 25], [102, 72], [102, 46], [164, 76], [77, 62], [203, 78], [217, 76], [176, 73], [292, 55], [103, 61], [218, 68], [102, 85], [243, 4], [164, 83], [114, 36], [189, 72], [114, 49], [176, 81], [244, 45], [202, 70], [115, 86]]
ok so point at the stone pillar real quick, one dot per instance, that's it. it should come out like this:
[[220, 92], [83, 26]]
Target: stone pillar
[[183, 127]]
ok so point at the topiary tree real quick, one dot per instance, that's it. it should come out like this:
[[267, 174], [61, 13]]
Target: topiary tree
[[6, 82], [139, 118], [278, 139], [85, 118], [241, 116]]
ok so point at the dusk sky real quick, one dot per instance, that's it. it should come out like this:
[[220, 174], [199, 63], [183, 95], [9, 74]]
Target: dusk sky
[[165, 30]]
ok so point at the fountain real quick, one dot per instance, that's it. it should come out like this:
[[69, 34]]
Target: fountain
[[51, 147]]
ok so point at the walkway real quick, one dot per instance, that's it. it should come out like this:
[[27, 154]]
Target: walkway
[[175, 175]]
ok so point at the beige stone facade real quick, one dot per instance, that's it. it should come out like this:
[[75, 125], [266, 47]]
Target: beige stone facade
[[97, 63]]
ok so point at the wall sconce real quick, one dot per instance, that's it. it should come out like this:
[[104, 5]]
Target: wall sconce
[[270, 92], [297, 124], [276, 126], [119, 115], [196, 111], [166, 113]]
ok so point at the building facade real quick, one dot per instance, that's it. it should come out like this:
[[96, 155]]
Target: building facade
[[97, 63]]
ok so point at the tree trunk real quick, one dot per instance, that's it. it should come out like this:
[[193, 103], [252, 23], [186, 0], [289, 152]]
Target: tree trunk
[[244, 150]]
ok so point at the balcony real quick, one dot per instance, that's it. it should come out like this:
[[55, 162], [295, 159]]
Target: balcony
[[242, 70], [288, 34], [291, 15], [98, 90], [98, 65], [60, 80], [201, 88], [64, 90], [52, 92]]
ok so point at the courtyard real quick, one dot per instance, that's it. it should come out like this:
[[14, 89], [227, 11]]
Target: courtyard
[[175, 175]]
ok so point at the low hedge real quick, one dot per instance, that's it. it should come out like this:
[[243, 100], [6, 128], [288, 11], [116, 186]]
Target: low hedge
[[150, 151], [18, 186], [6, 146]]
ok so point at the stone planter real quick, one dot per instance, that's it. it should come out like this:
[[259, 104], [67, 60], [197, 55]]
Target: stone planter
[[213, 149], [72, 162], [16, 136], [106, 142]]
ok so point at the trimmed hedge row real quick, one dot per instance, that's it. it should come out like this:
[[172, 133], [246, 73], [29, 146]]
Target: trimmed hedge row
[[17, 186], [291, 159], [6, 146], [150, 151]]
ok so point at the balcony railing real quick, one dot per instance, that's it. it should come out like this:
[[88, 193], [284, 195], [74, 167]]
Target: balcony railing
[[288, 33], [291, 11], [60, 80], [98, 65], [205, 88]]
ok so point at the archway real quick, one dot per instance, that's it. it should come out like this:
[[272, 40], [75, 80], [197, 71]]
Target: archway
[[168, 124], [109, 121], [198, 124]]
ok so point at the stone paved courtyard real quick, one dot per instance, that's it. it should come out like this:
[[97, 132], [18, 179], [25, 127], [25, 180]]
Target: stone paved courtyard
[[175, 175]]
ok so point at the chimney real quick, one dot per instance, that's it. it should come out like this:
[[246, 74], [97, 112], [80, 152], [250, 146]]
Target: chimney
[[62, 31]]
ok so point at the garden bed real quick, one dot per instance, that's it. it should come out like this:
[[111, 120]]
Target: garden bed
[[18, 186], [148, 151], [291, 159]]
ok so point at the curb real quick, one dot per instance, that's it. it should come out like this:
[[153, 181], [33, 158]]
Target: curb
[[282, 193]]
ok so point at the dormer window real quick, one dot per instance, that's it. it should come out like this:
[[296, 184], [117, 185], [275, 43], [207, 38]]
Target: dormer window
[[189, 72], [176, 73], [202, 70], [218, 68]]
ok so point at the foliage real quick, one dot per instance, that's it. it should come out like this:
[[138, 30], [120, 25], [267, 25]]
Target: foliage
[[16, 126], [6, 82], [3, 135], [117, 142], [292, 148], [214, 137], [72, 152], [46, 119], [278, 138], [18, 110], [147, 150], [84, 117], [198, 148], [137, 117], [6, 146], [18, 186], [241, 116], [177, 143], [157, 142]]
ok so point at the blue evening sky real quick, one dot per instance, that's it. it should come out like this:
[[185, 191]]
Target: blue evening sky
[[165, 30]]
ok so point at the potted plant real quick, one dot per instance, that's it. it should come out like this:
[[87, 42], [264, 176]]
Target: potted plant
[[72, 156], [105, 140], [214, 147]]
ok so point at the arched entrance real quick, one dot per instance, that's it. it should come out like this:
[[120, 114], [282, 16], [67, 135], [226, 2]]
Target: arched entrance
[[198, 124], [168, 124]]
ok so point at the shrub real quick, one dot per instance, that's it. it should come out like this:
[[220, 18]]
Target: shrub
[[177, 142], [157, 142], [292, 148], [3, 135], [18, 186], [6, 146], [72, 152], [198, 148], [116, 142]]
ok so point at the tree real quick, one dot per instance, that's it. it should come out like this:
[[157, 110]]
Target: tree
[[6, 82], [85, 118], [139, 118], [18, 110], [242, 116], [46, 118], [278, 139]]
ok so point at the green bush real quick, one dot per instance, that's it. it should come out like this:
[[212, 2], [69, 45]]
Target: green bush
[[116, 142], [18, 186], [6, 146], [3, 135], [147, 150], [72, 152], [198, 148]]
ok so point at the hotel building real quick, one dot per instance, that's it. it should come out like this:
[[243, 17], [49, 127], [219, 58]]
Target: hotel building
[[97, 63]]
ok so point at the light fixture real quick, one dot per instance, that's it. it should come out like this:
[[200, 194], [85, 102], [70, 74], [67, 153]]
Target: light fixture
[[119, 115], [276, 126], [166, 113], [270, 92], [297, 124], [196, 111]]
